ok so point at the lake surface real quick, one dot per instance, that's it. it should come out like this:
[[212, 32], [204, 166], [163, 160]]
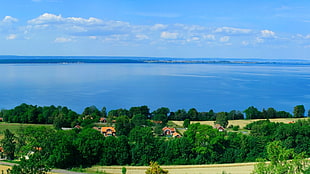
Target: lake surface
[[221, 87]]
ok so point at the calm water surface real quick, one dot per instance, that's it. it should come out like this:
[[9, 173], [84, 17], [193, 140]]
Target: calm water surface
[[221, 87]]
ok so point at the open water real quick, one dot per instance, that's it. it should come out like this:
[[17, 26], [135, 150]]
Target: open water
[[217, 86]]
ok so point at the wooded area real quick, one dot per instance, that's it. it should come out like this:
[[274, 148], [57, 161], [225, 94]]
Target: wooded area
[[139, 137]]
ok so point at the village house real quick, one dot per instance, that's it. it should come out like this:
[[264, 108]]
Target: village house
[[171, 132], [219, 127], [103, 120], [108, 131]]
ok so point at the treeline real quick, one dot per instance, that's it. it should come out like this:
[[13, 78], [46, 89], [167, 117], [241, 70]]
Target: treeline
[[200, 144], [64, 117]]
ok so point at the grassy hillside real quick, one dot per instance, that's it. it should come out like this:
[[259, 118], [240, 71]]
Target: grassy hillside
[[13, 127], [241, 123]]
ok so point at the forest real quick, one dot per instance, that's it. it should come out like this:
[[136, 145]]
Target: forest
[[139, 138]]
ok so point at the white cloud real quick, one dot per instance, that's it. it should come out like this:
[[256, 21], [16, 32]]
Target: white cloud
[[142, 37], [245, 43], [267, 33], [46, 18], [259, 40], [92, 37], [158, 27], [169, 35], [224, 39], [62, 40], [9, 19], [209, 37], [11, 37], [77, 26], [231, 30]]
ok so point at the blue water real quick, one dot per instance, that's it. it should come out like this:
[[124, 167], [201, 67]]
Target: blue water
[[221, 87]]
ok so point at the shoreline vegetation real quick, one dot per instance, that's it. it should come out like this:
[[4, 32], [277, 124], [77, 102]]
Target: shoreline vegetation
[[138, 136], [111, 59]]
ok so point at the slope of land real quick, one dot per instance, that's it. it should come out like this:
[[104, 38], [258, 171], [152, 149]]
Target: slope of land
[[243, 123]]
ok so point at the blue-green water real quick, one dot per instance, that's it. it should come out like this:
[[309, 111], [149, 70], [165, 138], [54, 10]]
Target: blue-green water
[[218, 86]]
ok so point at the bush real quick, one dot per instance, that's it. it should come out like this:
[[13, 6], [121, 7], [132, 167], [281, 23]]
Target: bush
[[236, 128]]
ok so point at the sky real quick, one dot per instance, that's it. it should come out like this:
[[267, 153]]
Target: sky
[[277, 29]]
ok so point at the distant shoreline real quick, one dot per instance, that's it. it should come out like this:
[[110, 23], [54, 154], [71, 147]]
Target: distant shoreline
[[111, 59]]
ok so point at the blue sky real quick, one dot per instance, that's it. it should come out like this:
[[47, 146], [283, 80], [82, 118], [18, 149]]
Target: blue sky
[[161, 28]]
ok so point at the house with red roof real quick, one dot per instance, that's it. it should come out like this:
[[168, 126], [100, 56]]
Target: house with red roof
[[108, 131]]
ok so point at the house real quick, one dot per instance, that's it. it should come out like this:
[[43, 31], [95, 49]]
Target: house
[[219, 127], [108, 131], [103, 120], [176, 135], [156, 122], [168, 131]]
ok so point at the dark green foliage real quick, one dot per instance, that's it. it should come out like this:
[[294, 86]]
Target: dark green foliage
[[8, 144], [161, 117], [124, 170], [186, 123], [118, 112], [64, 150], [60, 116], [221, 119], [162, 110], [122, 125], [139, 141], [252, 113], [180, 115], [144, 146], [139, 120], [36, 164], [235, 128], [142, 110], [89, 143], [299, 111], [282, 160], [235, 115], [193, 114]]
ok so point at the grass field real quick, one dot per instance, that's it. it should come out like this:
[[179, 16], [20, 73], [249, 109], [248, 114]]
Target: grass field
[[242, 123], [237, 168], [13, 127]]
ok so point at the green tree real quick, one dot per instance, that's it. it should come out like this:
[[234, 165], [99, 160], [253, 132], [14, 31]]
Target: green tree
[[155, 169], [36, 164], [181, 115], [193, 114], [122, 125], [235, 115], [186, 123], [162, 110], [142, 110], [280, 161], [139, 120], [252, 113], [299, 111], [64, 150], [104, 112], [222, 119], [161, 117], [143, 145], [8, 144], [89, 143]]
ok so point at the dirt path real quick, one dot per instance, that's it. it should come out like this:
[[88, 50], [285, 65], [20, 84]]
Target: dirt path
[[53, 171]]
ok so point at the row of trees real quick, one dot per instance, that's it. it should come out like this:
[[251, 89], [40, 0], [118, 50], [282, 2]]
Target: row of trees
[[64, 117], [200, 144]]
